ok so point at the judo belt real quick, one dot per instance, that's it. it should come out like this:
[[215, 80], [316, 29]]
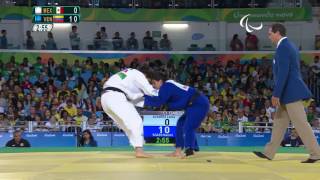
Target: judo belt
[[114, 89], [193, 98]]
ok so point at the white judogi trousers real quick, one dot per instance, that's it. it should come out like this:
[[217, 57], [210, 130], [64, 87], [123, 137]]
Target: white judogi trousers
[[125, 115]]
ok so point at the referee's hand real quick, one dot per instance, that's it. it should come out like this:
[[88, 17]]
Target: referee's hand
[[275, 101]]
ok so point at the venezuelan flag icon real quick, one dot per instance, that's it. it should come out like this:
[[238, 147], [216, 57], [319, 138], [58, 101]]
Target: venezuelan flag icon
[[58, 19]]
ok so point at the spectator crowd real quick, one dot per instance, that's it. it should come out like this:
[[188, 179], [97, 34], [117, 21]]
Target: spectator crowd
[[66, 96], [101, 41], [150, 42]]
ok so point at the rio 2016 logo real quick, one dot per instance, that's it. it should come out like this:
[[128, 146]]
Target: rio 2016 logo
[[249, 28]]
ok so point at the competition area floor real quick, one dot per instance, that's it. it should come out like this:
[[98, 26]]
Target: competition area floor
[[215, 163]]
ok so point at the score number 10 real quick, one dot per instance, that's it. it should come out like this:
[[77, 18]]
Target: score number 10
[[165, 129], [72, 18]]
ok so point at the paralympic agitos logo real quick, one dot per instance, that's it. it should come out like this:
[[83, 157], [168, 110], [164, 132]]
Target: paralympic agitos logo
[[249, 28]]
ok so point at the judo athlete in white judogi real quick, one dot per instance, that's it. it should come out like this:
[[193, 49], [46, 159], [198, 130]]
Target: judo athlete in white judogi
[[122, 92]]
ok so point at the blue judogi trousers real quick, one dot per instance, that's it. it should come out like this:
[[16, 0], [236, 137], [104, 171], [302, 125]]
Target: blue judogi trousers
[[190, 121]]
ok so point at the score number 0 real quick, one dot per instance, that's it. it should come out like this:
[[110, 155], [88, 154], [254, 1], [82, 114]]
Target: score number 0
[[75, 10]]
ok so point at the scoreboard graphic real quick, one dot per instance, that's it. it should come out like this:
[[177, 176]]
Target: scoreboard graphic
[[44, 17], [160, 126]]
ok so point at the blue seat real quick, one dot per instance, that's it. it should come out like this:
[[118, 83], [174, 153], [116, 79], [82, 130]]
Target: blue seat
[[86, 75], [26, 91], [57, 83], [46, 78], [33, 79], [87, 113], [99, 114], [193, 47], [100, 75], [71, 84]]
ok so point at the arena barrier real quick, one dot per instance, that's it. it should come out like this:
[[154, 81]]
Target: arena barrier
[[110, 139]]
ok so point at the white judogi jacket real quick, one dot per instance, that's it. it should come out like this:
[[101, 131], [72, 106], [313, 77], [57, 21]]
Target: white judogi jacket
[[133, 83]]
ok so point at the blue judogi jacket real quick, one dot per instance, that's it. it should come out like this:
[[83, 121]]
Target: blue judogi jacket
[[174, 94]]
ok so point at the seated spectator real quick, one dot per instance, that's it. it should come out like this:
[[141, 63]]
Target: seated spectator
[[236, 44], [93, 89], [51, 67], [97, 41], [94, 123], [250, 114], [62, 117], [217, 123], [74, 38], [206, 126], [105, 78], [70, 107], [81, 89], [29, 41], [147, 41], [41, 84], [103, 33], [3, 39], [17, 141], [270, 111], [226, 121], [154, 46], [316, 124], [317, 42], [3, 120], [98, 106], [165, 43], [64, 91], [261, 121], [68, 123], [241, 116], [50, 43], [215, 107], [52, 124], [208, 47], [105, 44], [38, 124], [80, 119], [311, 115], [87, 139], [33, 114], [117, 41], [234, 121], [94, 78], [251, 42], [132, 42], [293, 140], [315, 66]]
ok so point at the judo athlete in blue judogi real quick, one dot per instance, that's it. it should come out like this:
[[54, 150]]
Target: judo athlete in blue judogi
[[180, 97]]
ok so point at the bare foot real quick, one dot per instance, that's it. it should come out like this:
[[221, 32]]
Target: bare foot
[[177, 153], [183, 156], [174, 154], [141, 154]]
